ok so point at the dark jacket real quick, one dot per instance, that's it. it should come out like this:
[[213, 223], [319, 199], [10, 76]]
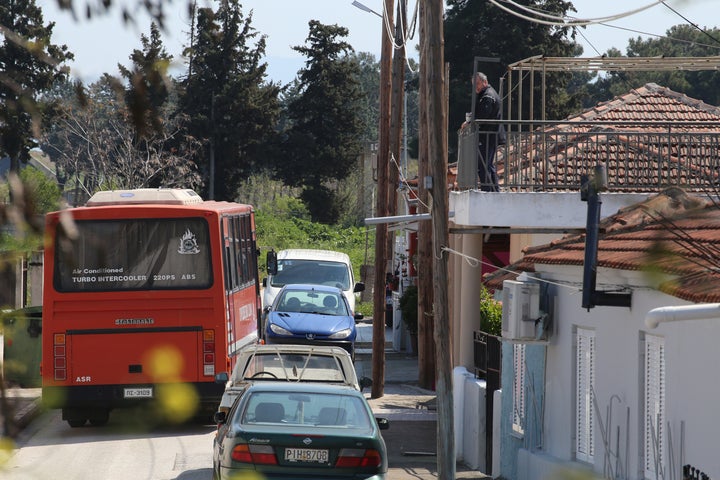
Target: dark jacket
[[489, 106]]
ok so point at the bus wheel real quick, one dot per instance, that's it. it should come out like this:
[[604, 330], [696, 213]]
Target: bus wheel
[[100, 419], [77, 422]]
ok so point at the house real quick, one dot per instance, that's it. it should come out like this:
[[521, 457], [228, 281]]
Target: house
[[613, 390], [647, 140]]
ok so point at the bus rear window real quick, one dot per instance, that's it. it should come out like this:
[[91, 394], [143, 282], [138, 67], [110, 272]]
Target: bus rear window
[[134, 254]]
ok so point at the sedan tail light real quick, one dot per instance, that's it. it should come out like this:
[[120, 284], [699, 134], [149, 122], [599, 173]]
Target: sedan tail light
[[358, 457], [256, 454]]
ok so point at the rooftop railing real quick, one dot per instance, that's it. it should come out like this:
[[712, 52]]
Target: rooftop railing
[[643, 156]]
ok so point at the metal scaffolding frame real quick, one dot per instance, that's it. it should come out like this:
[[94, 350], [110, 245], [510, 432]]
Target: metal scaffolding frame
[[543, 65]]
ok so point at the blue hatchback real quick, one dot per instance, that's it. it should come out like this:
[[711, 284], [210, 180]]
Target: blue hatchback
[[312, 315]]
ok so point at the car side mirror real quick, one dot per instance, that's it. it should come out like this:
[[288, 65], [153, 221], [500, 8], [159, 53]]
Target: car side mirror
[[271, 262], [359, 316], [264, 282], [383, 423], [221, 378], [221, 417], [359, 287], [365, 382]]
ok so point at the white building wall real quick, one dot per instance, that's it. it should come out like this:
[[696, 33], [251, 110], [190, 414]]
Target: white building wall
[[690, 397]]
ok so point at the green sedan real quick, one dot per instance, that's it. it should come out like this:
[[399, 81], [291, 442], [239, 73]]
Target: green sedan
[[299, 431]]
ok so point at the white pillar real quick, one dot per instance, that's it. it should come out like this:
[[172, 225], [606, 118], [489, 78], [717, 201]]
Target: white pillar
[[454, 294], [470, 282]]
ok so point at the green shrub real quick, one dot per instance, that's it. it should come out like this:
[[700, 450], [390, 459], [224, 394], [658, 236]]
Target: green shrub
[[490, 313], [409, 308]]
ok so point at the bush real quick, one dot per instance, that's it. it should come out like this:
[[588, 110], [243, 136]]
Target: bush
[[490, 313], [409, 308]]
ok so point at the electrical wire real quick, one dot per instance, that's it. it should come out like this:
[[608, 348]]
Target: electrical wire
[[580, 21], [689, 22], [474, 262]]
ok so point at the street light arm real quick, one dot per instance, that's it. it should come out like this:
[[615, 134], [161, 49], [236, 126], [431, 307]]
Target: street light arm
[[362, 7]]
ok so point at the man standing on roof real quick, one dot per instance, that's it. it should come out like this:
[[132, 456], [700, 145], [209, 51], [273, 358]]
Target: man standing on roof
[[488, 106]]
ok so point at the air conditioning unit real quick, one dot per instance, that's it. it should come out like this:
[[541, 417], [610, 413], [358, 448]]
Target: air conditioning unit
[[521, 310]]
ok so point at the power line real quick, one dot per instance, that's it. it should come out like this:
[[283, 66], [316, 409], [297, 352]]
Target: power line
[[562, 21], [565, 21], [690, 23]]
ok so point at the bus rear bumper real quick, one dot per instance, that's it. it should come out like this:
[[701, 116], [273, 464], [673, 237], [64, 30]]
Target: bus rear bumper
[[119, 396]]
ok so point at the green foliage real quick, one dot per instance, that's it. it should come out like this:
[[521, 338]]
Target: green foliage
[[30, 66], [231, 107], [283, 224], [490, 313], [366, 308], [479, 29], [23, 200], [409, 308], [148, 83], [45, 192], [324, 139], [680, 41]]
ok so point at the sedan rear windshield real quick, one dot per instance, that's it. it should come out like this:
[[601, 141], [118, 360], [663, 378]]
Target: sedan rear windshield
[[292, 408], [294, 367]]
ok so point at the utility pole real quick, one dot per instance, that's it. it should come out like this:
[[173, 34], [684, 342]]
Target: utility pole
[[432, 44], [396, 116], [426, 343], [381, 230]]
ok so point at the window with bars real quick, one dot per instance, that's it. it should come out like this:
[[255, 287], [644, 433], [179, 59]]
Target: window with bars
[[518, 392], [653, 368], [584, 387]]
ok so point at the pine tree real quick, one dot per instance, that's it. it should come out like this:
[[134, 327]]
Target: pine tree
[[325, 137], [680, 41], [30, 65], [148, 83], [230, 105]]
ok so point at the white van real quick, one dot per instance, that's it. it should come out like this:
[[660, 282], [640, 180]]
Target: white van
[[321, 267]]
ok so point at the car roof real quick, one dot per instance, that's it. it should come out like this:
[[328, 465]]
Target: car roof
[[306, 387], [312, 286], [311, 254], [246, 354], [291, 348]]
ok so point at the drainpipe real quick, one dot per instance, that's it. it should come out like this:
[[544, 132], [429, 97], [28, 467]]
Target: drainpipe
[[590, 193], [703, 311]]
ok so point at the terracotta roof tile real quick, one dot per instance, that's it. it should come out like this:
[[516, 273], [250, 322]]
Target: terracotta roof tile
[[671, 233], [635, 154]]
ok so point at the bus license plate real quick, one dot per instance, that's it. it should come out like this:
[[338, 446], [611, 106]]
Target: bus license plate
[[306, 455], [138, 392]]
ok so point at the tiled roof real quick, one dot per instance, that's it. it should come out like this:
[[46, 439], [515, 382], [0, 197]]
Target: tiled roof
[[639, 154], [651, 103], [671, 233]]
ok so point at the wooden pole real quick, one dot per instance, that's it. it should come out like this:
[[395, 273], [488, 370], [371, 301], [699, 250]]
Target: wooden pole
[[396, 111], [381, 230], [426, 343], [438, 192]]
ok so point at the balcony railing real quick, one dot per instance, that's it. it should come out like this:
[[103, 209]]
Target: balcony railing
[[638, 156]]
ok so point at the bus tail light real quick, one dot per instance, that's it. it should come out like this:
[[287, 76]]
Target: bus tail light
[[208, 352], [59, 357]]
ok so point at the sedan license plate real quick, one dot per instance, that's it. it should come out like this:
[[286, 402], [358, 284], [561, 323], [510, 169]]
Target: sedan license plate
[[313, 455], [146, 392]]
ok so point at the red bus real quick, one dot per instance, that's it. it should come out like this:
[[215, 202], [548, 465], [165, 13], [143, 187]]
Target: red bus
[[148, 294]]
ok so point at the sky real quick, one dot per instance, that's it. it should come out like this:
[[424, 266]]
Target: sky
[[101, 43]]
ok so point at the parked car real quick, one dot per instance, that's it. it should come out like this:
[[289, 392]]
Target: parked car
[[321, 267], [300, 430], [292, 363], [311, 315]]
